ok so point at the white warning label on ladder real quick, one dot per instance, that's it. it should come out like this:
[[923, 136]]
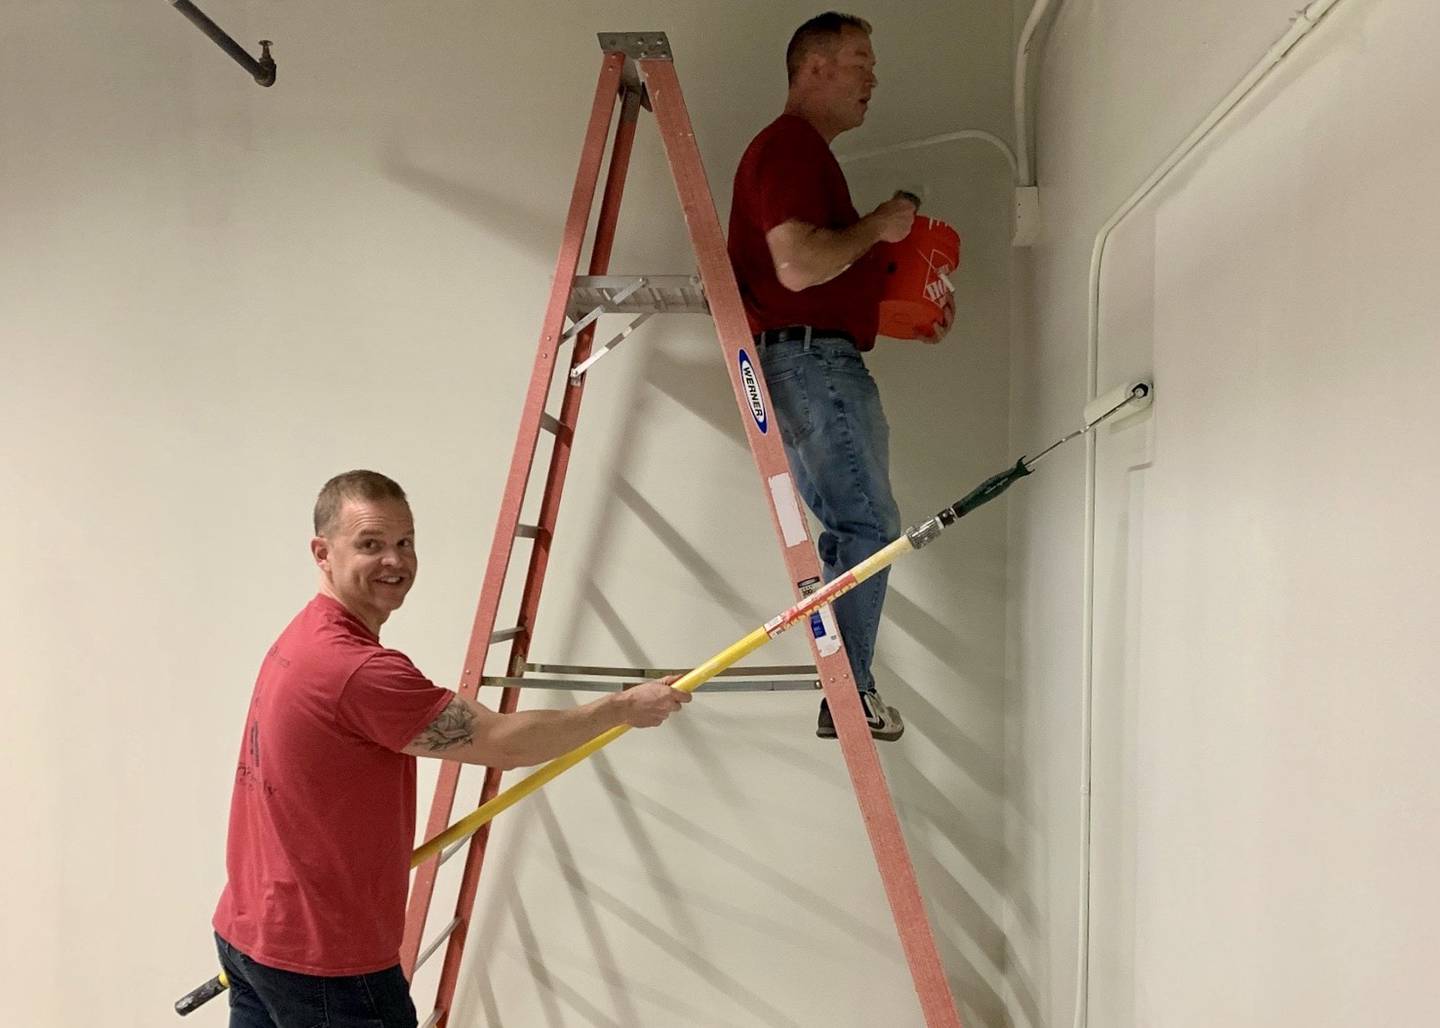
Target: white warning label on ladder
[[822, 621]]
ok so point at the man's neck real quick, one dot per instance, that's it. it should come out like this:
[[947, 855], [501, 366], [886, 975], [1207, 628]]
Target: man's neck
[[797, 107], [368, 620]]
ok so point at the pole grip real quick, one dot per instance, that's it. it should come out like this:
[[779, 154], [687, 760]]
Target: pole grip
[[202, 994], [986, 491]]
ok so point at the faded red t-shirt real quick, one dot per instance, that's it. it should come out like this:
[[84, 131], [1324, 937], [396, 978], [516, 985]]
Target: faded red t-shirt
[[788, 172], [322, 817]]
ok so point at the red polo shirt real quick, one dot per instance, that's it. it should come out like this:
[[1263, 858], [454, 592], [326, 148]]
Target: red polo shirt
[[322, 816], [788, 172]]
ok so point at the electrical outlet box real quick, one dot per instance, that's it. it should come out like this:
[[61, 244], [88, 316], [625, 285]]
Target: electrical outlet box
[[1025, 221]]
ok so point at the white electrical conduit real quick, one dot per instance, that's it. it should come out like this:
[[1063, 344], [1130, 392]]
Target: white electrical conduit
[[916, 144], [1306, 20], [1024, 175], [1019, 166]]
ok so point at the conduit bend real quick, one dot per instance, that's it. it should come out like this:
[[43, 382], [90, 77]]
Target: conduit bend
[[1304, 22], [916, 144], [1019, 165]]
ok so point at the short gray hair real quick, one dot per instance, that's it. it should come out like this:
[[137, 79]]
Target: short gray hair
[[370, 486]]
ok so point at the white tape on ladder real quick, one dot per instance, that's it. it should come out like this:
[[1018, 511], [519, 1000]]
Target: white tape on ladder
[[792, 522]]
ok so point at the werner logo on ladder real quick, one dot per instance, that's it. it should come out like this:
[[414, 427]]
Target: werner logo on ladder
[[752, 393]]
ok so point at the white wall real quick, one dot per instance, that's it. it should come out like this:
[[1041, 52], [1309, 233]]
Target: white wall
[[216, 296], [1264, 711]]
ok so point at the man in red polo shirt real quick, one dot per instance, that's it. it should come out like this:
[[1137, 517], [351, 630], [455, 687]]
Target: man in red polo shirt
[[322, 816], [811, 284]]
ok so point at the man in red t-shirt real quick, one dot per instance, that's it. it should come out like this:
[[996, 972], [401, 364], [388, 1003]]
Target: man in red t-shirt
[[322, 816], [811, 284]]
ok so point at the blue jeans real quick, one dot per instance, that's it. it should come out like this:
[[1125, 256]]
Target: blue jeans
[[838, 444], [266, 997]]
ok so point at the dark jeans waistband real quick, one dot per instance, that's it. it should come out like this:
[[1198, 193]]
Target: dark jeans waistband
[[800, 334]]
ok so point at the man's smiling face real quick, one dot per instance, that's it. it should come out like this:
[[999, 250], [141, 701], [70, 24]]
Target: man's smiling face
[[367, 559]]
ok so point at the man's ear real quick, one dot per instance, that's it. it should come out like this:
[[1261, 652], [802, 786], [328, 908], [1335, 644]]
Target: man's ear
[[320, 550]]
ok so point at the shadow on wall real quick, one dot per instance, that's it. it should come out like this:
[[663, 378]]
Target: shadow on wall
[[497, 213], [699, 386], [681, 940]]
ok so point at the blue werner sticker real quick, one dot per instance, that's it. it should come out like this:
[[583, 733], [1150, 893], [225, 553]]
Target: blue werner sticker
[[752, 393]]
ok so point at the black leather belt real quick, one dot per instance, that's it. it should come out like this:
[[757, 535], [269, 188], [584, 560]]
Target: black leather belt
[[800, 334]]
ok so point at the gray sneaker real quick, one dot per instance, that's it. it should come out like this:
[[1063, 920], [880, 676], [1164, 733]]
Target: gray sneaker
[[884, 721]]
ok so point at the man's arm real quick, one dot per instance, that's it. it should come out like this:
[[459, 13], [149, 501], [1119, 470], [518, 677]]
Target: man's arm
[[474, 734], [807, 255]]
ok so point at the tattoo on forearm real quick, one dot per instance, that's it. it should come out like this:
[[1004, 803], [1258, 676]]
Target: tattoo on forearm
[[455, 726]]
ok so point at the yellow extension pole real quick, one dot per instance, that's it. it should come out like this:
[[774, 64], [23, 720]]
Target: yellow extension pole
[[689, 682]]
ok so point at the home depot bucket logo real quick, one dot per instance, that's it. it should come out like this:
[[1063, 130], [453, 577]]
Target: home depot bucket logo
[[936, 288], [752, 393]]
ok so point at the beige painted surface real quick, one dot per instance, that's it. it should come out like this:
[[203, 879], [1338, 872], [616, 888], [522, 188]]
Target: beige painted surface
[[216, 296], [1264, 781]]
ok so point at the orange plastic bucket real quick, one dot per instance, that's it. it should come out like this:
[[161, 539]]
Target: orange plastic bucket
[[916, 282]]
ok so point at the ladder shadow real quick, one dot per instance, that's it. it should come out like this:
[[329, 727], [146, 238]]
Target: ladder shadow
[[984, 768], [688, 556], [684, 382], [918, 623], [634, 652], [600, 955], [782, 886], [476, 983], [526, 228]]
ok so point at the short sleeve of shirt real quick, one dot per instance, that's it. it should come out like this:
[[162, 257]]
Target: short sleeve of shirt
[[388, 701], [790, 181]]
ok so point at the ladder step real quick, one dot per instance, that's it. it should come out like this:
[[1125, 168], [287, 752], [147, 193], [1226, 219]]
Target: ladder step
[[607, 301], [527, 532], [504, 634], [714, 685], [434, 945], [801, 678], [617, 294], [749, 671], [550, 424], [433, 1019]]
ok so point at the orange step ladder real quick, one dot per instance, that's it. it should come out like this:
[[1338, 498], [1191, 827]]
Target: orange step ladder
[[637, 71]]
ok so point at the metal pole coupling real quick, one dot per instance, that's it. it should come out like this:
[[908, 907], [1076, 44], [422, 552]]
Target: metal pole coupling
[[261, 70]]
